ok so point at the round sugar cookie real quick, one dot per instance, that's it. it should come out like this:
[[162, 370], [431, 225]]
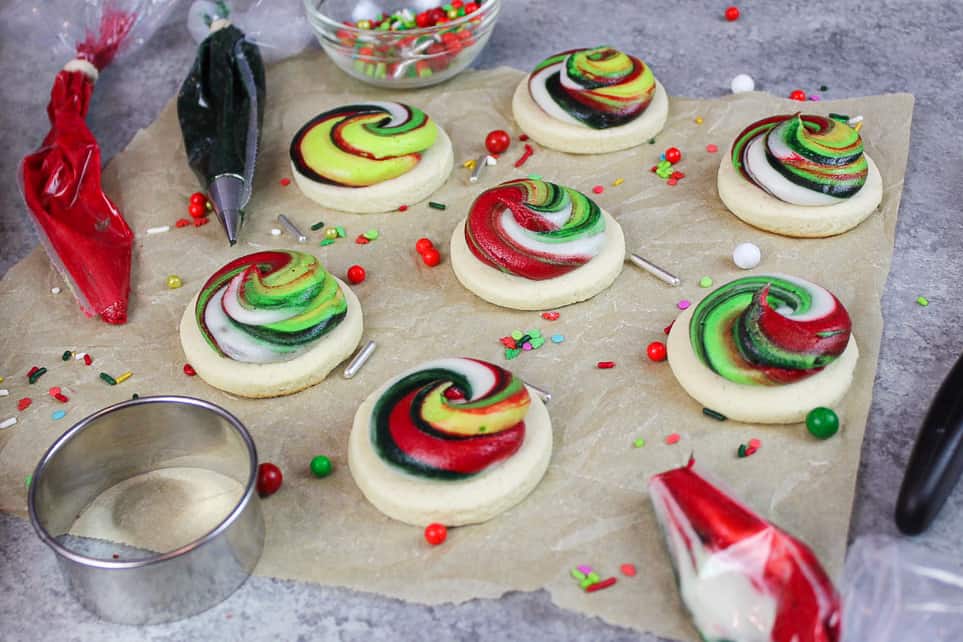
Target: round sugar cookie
[[763, 400], [838, 189], [276, 343], [591, 101], [370, 157], [412, 473], [529, 270]]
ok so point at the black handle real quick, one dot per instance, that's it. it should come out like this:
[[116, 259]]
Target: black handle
[[937, 460]]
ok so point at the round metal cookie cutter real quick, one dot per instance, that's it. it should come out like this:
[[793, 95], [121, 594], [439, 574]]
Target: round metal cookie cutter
[[129, 439]]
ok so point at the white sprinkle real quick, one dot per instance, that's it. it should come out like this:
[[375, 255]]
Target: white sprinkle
[[7, 423], [159, 230], [275, 231], [80, 356], [4, 392], [742, 83], [54, 290], [746, 256], [491, 161]]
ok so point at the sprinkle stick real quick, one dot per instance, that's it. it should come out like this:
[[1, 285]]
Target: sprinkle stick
[[360, 359], [654, 270], [598, 586], [159, 229]]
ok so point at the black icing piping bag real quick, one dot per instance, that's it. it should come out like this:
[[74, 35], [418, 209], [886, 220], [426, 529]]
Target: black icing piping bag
[[221, 108], [937, 460]]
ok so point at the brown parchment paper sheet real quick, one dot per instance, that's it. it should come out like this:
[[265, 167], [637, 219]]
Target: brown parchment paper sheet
[[592, 506]]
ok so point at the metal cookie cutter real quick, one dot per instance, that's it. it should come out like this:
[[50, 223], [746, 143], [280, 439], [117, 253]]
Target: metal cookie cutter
[[132, 438]]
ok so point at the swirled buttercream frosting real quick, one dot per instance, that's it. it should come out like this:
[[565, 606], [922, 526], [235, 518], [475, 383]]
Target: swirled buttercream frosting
[[802, 159], [534, 229], [450, 419], [362, 145], [769, 330], [269, 306], [598, 88]]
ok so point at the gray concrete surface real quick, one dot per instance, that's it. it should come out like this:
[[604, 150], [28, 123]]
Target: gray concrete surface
[[855, 48]]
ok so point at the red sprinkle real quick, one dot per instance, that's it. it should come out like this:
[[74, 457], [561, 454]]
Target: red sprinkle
[[88, 359], [361, 240], [677, 175], [598, 586], [182, 222], [61, 397], [551, 316], [668, 328], [598, 189], [32, 371], [24, 403], [605, 365], [528, 152], [797, 94], [200, 221], [751, 451], [673, 438], [508, 342], [654, 169], [189, 370], [754, 443], [402, 208], [672, 181], [54, 391], [712, 149], [285, 182], [116, 556], [628, 570], [523, 137]]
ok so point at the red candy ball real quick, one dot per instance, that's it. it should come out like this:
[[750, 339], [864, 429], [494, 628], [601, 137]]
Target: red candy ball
[[197, 210], [423, 20], [198, 198], [798, 94], [732, 13], [356, 274], [656, 351], [431, 257], [423, 245], [673, 155], [436, 534], [435, 15], [471, 7], [497, 141], [269, 479]]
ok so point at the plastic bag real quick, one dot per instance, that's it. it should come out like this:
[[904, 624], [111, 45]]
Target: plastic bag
[[278, 27], [741, 578], [894, 591], [84, 234]]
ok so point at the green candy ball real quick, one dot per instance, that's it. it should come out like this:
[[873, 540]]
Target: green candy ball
[[822, 422], [321, 466]]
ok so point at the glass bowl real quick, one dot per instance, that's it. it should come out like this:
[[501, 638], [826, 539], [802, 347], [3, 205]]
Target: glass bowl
[[402, 43]]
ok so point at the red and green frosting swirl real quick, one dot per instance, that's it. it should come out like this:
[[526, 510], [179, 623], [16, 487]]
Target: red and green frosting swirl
[[534, 229], [802, 159], [363, 144], [599, 87], [450, 419], [268, 306], [769, 330]]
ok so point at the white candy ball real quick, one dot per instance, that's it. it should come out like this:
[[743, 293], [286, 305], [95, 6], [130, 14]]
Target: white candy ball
[[746, 256], [741, 83]]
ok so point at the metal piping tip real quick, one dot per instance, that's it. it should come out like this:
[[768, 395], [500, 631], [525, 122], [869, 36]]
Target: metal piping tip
[[226, 192]]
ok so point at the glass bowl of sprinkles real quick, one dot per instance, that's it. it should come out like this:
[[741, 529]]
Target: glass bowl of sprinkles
[[402, 43]]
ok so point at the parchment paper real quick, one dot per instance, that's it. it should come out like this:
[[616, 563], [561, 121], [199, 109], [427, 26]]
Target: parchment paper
[[592, 506]]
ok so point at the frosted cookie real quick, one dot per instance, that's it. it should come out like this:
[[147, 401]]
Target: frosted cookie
[[764, 349], [453, 441], [530, 244], [591, 101], [370, 157], [800, 175], [270, 324]]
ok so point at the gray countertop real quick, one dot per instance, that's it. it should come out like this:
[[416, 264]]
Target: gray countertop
[[855, 48]]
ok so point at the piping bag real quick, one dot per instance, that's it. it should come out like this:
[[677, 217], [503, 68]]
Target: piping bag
[[221, 109], [81, 229], [741, 578]]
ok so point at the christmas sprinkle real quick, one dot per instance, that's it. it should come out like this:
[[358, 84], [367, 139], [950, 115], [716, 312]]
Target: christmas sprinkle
[[551, 316], [519, 342], [923, 301], [24, 403], [159, 229], [628, 570], [107, 378], [718, 416], [58, 414], [7, 423], [617, 182], [317, 226], [189, 370], [598, 189], [66, 355], [598, 586], [371, 234], [285, 182], [558, 338], [638, 443], [525, 156], [712, 149], [684, 304], [705, 282], [402, 208], [437, 206], [673, 439], [124, 377], [35, 374], [605, 365]]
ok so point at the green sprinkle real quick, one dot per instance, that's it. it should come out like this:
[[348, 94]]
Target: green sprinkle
[[742, 451], [638, 443], [577, 574], [511, 353], [593, 576], [534, 177], [106, 377], [371, 235], [317, 226], [66, 355], [326, 242], [535, 333], [135, 396], [651, 141], [584, 584], [705, 282], [27, 480], [517, 334], [340, 230], [537, 342], [39, 373], [437, 206], [922, 300], [823, 88], [718, 416]]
